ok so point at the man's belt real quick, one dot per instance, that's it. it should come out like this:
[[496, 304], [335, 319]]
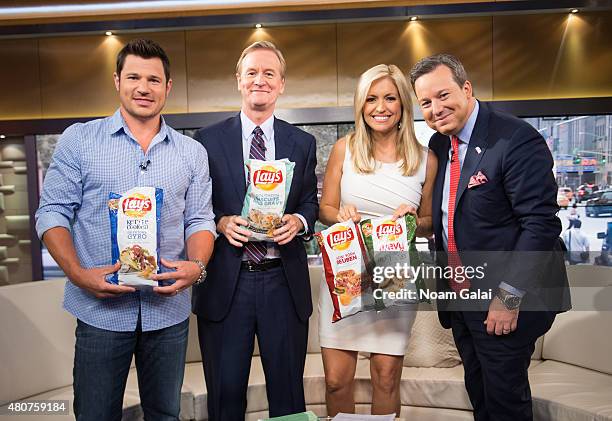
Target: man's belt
[[264, 265]]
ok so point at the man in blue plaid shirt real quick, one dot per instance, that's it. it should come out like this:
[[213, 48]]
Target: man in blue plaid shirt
[[134, 147]]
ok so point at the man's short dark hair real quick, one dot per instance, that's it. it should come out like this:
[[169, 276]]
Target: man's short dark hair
[[144, 48], [431, 63]]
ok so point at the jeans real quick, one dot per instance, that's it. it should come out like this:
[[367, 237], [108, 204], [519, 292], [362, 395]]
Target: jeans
[[102, 362]]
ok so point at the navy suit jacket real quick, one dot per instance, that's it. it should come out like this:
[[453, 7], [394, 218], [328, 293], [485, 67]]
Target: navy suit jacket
[[223, 142], [514, 212]]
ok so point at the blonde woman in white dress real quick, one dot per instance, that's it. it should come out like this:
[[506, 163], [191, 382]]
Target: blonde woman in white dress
[[380, 169]]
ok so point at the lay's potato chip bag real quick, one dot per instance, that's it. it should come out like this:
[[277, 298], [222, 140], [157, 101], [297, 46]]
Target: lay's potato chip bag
[[135, 218], [390, 244], [266, 196], [344, 269]]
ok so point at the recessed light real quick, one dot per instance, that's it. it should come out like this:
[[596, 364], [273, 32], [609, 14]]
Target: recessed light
[[2, 136], [574, 11], [108, 33], [413, 18], [258, 25]]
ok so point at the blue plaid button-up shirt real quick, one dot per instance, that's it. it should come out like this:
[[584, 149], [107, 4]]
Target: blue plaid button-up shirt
[[101, 156]]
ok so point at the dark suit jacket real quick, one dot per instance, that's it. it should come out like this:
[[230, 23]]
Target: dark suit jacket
[[512, 215], [223, 142]]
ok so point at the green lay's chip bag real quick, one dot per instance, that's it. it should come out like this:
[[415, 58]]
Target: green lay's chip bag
[[392, 257]]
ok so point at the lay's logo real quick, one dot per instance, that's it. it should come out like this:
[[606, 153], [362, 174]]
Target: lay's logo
[[267, 178], [390, 230], [341, 239], [137, 205]]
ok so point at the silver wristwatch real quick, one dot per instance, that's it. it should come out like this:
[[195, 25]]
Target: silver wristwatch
[[202, 272], [510, 301]]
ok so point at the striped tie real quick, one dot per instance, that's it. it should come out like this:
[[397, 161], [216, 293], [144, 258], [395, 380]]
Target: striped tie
[[256, 251], [454, 261]]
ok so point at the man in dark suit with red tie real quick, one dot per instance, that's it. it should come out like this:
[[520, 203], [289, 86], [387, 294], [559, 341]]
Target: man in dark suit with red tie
[[256, 289], [494, 205]]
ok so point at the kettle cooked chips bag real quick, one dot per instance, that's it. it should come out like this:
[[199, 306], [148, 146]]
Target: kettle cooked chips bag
[[135, 219], [266, 196], [343, 266]]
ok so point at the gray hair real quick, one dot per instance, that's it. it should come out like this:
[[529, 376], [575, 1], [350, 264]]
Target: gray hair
[[431, 63], [262, 45]]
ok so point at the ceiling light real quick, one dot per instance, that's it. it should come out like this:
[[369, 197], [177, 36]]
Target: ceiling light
[[574, 11], [413, 18], [258, 25], [108, 33], [2, 136]]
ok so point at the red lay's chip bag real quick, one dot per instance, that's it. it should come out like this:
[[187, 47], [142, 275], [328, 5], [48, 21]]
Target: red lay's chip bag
[[344, 268]]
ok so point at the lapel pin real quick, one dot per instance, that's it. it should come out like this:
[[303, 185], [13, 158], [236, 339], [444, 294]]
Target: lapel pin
[[478, 150]]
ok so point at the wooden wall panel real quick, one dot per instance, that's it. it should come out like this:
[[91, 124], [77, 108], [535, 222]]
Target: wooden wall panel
[[19, 74], [363, 45], [77, 73], [507, 57], [310, 52], [552, 56]]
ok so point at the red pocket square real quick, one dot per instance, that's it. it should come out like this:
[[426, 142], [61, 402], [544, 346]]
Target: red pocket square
[[477, 179]]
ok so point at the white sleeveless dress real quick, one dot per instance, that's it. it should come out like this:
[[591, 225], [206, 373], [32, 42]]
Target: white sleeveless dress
[[374, 195]]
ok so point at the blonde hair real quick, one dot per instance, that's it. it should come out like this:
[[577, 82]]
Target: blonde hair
[[360, 142], [262, 45]]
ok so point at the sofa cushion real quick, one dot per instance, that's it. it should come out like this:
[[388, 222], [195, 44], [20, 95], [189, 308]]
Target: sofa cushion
[[194, 383], [193, 344], [581, 338], [537, 352], [408, 413], [430, 344], [420, 386], [37, 339], [425, 387], [434, 387], [589, 275], [565, 392]]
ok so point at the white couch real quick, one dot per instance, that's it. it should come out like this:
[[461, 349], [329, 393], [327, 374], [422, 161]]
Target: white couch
[[571, 370]]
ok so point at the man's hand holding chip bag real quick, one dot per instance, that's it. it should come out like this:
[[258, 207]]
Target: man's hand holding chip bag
[[234, 229], [292, 225], [185, 273], [94, 281]]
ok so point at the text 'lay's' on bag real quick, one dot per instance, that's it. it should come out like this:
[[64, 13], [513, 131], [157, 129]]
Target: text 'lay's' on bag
[[266, 196], [135, 220], [344, 269], [391, 250]]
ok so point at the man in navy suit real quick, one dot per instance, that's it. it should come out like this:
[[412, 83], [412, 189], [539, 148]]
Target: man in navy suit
[[256, 288], [494, 201]]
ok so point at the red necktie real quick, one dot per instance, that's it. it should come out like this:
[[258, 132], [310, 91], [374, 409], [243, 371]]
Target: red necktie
[[454, 261]]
